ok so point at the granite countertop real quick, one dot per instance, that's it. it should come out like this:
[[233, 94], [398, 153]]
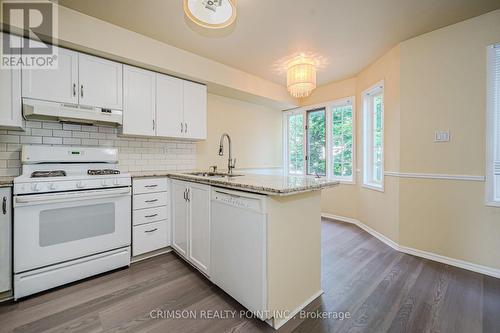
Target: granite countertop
[[6, 181], [281, 185]]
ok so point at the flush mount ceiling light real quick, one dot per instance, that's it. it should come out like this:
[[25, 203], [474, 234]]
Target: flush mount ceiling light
[[212, 14], [301, 75]]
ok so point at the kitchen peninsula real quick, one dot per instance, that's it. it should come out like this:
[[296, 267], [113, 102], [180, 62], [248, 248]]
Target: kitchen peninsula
[[265, 236]]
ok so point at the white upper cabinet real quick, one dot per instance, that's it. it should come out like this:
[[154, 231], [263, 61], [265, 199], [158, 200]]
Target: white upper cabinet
[[101, 82], [180, 109], [169, 106], [195, 111], [139, 101], [10, 98], [59, 85]]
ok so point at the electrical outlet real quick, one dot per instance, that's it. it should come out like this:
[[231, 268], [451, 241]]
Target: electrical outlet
[[442, 136]]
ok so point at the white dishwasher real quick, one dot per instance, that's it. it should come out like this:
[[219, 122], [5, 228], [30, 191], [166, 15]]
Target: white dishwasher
[[238, 251]]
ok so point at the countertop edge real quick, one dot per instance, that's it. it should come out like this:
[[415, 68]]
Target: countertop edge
[[248, 188]]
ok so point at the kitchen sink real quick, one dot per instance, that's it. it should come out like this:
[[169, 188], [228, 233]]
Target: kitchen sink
[[213, 174]]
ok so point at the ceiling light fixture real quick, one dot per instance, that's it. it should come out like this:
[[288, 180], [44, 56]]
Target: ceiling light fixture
[[301, 76], [212, 14]]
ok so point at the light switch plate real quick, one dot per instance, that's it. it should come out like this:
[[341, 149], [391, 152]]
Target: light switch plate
[[442, 136]]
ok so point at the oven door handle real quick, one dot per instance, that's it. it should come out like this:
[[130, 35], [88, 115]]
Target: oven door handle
[[69, 196]]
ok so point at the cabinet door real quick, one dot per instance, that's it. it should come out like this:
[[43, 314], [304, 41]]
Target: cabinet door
[[179, 218], [5, 239], [138, 101], [10, 97], [169, 106], [101, 82], [58, 85], [199, 226], [195, 110]]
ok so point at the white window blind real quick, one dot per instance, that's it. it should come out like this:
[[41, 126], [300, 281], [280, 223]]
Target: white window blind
[[493, 125]]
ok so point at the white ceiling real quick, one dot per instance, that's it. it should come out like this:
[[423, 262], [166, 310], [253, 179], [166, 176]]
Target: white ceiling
[[350, 34]]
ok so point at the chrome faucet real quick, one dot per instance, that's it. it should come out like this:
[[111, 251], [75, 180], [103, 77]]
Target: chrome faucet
[[231, 164]]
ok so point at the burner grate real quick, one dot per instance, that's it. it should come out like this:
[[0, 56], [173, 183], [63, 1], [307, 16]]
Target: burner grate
[[50, 173], [102, 172]]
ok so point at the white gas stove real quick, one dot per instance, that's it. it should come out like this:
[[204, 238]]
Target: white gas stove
[[72, 216]]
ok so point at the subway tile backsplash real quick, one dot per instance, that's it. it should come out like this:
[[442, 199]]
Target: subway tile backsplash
[[135, 154]]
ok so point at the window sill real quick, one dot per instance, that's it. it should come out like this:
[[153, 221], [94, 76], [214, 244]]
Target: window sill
[[379, 188], [495, 204]]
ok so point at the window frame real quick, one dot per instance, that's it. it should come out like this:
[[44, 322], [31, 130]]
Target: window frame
[[329, 142], [328, 107], [491, 129], [286, 116], [368, 97]]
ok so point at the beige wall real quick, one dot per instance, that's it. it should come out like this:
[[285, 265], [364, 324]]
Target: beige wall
[[443, 86], [255, 132], [377, 210], [436, 81]]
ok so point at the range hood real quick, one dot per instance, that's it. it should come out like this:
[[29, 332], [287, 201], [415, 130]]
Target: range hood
[[44, 110]]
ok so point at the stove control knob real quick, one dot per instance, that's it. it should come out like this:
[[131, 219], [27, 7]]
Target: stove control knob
[[105, 183], [35, 187], [79, 185], [52, 187]]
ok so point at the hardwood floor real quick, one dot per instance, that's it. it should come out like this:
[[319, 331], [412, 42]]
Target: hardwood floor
[[381, 289]]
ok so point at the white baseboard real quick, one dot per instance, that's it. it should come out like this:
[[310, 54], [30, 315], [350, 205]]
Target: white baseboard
[[416, 252], [276, 324]]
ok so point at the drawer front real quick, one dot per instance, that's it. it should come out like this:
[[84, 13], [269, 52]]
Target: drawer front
[[150, 237], [150, 185], [148, 215], [150, 200]]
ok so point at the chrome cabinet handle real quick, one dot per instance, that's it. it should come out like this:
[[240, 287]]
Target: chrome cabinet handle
[[188, 195], [150, 186], [150, 201], [81, 91], [152, 230], [186, 127], [185, 195], [74, 89], [153, 124], [153, 215], [182, 128], [4, 205]]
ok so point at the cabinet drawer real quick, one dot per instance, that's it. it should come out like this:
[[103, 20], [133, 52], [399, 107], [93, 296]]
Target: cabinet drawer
[[147, 215], [150, 237], [149, 185], [150, 200]]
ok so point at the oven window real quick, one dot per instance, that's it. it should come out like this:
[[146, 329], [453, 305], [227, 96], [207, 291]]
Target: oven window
[[74, 223]]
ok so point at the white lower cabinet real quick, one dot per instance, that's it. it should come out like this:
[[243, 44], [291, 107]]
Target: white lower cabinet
[[150, 237], [5, 239], [150, 215], [191, 223]]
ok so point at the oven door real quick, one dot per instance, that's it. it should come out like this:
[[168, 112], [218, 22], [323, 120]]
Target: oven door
[[55, 227]]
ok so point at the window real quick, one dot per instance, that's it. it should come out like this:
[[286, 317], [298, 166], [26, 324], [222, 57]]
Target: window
[[373, 137], [320, 140], [493, 127], [316, 142], [295, 157], [342, 140]]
